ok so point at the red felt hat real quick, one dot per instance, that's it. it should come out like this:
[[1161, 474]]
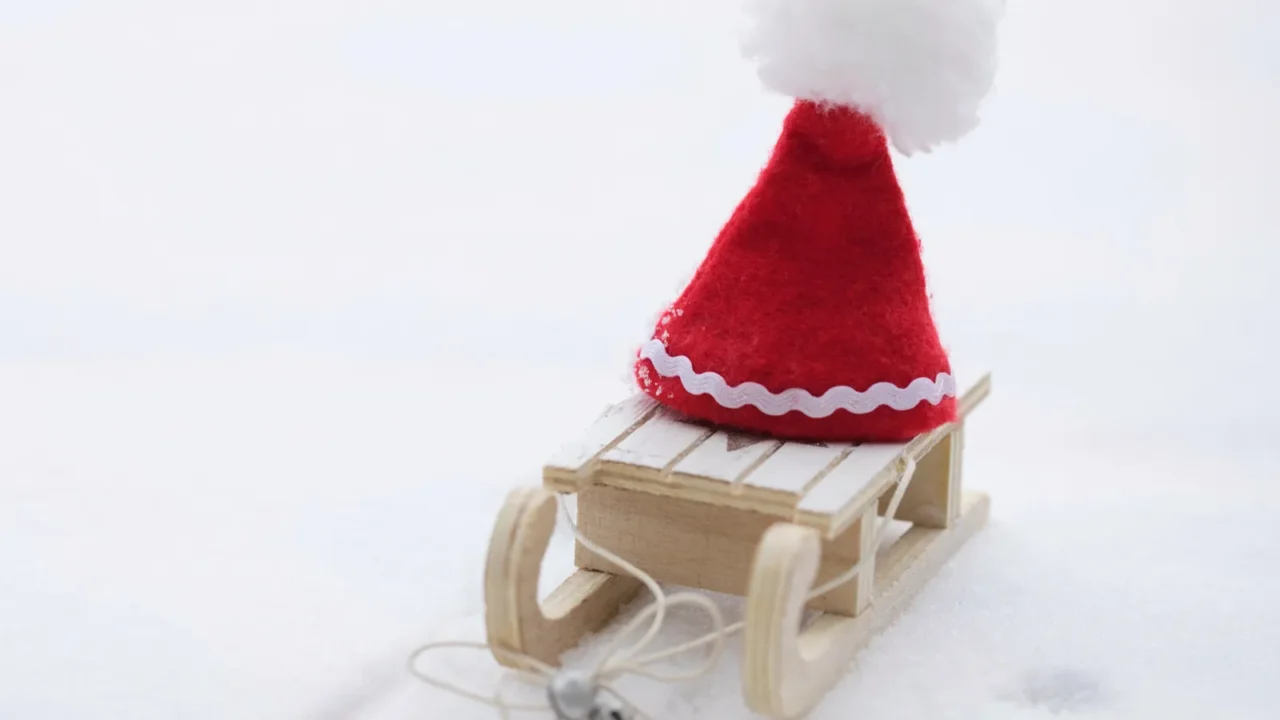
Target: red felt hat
[[810, 317]]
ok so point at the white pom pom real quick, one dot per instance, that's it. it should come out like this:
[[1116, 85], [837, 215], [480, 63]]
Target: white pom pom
[[919, 68]]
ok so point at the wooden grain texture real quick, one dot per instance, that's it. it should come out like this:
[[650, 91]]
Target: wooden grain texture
[[614, 425], [700, 545], [794, 467], [852, 480], [657, 445], [725, 457]]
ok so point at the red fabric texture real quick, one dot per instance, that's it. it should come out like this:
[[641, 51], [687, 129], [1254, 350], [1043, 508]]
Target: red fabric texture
[[815, 281]]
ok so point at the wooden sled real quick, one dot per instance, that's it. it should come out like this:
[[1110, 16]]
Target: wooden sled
[[707, 508]]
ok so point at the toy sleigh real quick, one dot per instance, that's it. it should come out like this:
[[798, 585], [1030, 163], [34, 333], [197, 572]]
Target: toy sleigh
[[791, 527]]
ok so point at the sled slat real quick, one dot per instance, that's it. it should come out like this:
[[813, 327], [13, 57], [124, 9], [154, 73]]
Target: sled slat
[[856, 481], [615, 423], [726, 456], [793, 467], [657, 444]]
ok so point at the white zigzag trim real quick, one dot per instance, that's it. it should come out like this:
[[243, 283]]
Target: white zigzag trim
[[841, 397]]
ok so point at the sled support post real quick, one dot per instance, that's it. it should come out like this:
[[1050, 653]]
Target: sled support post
[[932, 498], [864, 584]]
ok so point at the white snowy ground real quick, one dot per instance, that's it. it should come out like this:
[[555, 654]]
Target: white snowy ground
[[292, 293]]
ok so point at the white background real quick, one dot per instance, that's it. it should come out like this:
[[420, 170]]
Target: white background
[[292, 293]]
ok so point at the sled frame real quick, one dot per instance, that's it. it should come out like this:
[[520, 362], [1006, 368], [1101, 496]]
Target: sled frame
[[702, 507]]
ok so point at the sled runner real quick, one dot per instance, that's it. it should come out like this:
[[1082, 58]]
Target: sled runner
[[703, 507]]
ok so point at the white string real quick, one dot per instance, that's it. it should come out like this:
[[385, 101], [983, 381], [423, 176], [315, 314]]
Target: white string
[[618, 661]]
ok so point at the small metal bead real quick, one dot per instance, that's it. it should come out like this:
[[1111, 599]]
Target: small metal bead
[[572, 695]]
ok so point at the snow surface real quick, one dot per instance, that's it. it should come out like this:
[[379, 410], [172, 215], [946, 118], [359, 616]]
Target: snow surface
[[292, 294]]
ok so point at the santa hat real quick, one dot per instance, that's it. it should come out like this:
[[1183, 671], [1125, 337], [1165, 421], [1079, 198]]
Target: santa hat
[[809, 317]]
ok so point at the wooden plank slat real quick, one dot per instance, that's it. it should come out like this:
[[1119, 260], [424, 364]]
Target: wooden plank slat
[[657, 444], [851, 480], [726, 456], [976, 393], [616, 422], [793, 466]]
